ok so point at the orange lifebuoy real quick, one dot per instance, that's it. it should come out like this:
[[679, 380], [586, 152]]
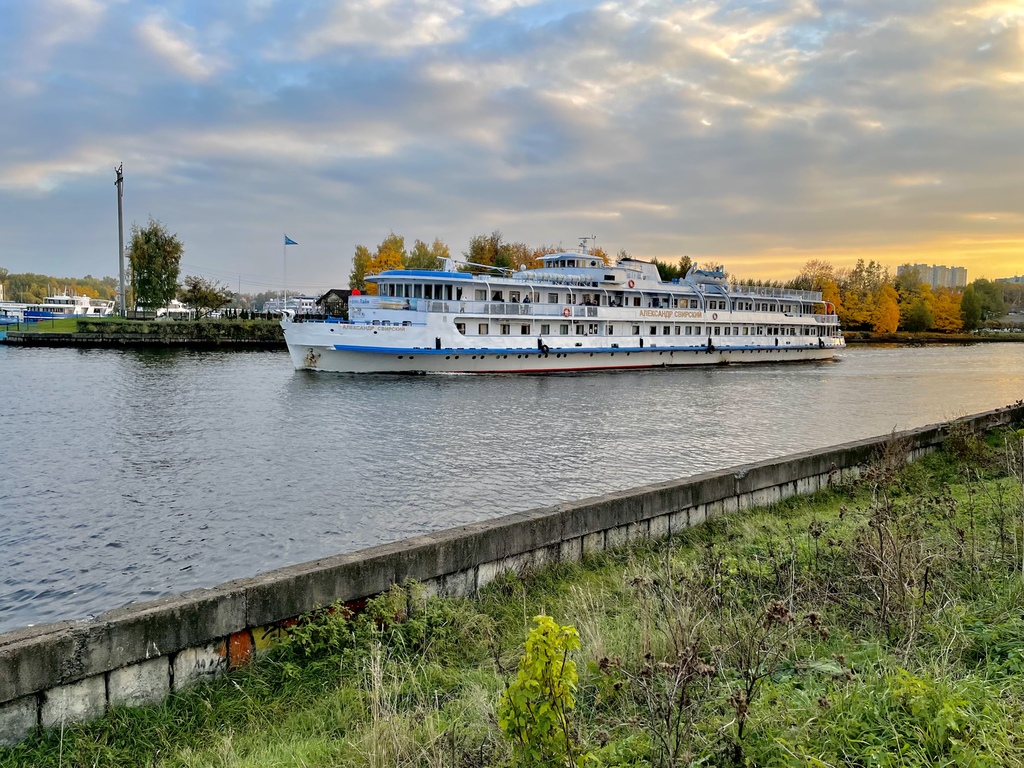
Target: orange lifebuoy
[[714, 316], [567, 312], [631, 283]]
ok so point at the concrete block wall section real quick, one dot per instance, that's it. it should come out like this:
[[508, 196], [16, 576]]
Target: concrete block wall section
[[135, 655]]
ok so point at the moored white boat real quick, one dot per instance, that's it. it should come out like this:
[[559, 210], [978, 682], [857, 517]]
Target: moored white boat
[[64, 305], [574, 313]]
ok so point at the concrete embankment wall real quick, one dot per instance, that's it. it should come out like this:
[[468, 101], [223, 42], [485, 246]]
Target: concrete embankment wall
[[73, 671]]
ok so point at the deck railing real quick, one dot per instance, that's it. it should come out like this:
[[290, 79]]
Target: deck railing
[[774, 293], [536, 309]]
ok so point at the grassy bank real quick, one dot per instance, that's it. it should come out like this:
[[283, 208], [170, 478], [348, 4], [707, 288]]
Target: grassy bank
[[873, 624], [916, 339], [53, 325], [193, 330]]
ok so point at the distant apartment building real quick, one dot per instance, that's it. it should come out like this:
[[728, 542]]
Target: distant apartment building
[[1018, 280], [937, 275]]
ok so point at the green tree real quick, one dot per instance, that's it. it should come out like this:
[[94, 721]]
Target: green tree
[[155, 262], [204, 296], [423, 256], [991, 297], [813, 276], [919, 317], [970, 309], [360, 268], [669, 271]]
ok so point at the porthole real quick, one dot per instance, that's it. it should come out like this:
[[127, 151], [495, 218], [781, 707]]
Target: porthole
[[400, 357]]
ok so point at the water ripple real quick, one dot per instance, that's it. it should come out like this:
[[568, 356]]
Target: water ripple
[[130, 475]]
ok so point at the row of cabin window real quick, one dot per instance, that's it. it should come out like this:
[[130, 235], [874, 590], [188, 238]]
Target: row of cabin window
[[593, 329], [456, 293]]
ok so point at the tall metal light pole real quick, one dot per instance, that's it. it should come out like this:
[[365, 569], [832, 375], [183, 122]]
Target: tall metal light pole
[[120, 230]]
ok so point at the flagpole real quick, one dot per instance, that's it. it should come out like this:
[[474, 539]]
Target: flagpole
[[284, 258]]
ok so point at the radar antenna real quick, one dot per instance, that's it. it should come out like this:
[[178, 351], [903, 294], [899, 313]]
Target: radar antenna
[[583, 243]]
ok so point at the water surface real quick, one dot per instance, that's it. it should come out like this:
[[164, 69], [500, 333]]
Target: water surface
[[129, 475]]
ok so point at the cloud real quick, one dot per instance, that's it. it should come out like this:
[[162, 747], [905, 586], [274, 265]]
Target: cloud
[[723, 130], [389, 26], [36, 34], [172, 46], [64, 21]]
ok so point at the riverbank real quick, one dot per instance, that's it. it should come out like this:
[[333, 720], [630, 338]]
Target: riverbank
[[879, 617], [922, 339], [260, 334], [130, 334]]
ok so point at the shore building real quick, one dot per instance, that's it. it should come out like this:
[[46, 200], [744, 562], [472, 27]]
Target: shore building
[[937, 275]]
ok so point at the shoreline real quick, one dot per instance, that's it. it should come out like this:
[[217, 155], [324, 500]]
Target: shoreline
[[153, 341], [136, 341], [904, 340]]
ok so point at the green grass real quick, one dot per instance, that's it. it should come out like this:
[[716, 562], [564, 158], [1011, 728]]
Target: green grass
[[61, 325], [876, 624]]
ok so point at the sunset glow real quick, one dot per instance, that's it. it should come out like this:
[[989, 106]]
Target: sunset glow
[[758, 135]]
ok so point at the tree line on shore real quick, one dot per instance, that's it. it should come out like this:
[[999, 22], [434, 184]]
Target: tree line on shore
[[32, 288], [153, 278], [485, 251], [867, 296]]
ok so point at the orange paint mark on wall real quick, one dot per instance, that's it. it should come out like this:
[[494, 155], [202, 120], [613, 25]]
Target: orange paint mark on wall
[[240, 649]]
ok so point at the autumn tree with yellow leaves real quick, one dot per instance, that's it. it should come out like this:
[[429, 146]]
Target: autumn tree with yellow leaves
[[885, 316]]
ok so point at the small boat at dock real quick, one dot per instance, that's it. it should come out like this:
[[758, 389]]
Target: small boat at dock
[[57, 306]]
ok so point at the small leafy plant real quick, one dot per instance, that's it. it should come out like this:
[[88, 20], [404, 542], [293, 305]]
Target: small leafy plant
[[534, 709]]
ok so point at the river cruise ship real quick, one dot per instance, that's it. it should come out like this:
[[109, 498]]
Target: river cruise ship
[[573, 313]]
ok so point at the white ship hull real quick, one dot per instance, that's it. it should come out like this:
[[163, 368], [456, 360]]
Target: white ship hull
[[310, 350], [573, 314]]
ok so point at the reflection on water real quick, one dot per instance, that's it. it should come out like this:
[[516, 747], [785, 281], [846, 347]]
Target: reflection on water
[[130, 475]]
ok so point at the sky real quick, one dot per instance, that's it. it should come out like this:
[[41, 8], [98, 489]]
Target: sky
[[756, 134]]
